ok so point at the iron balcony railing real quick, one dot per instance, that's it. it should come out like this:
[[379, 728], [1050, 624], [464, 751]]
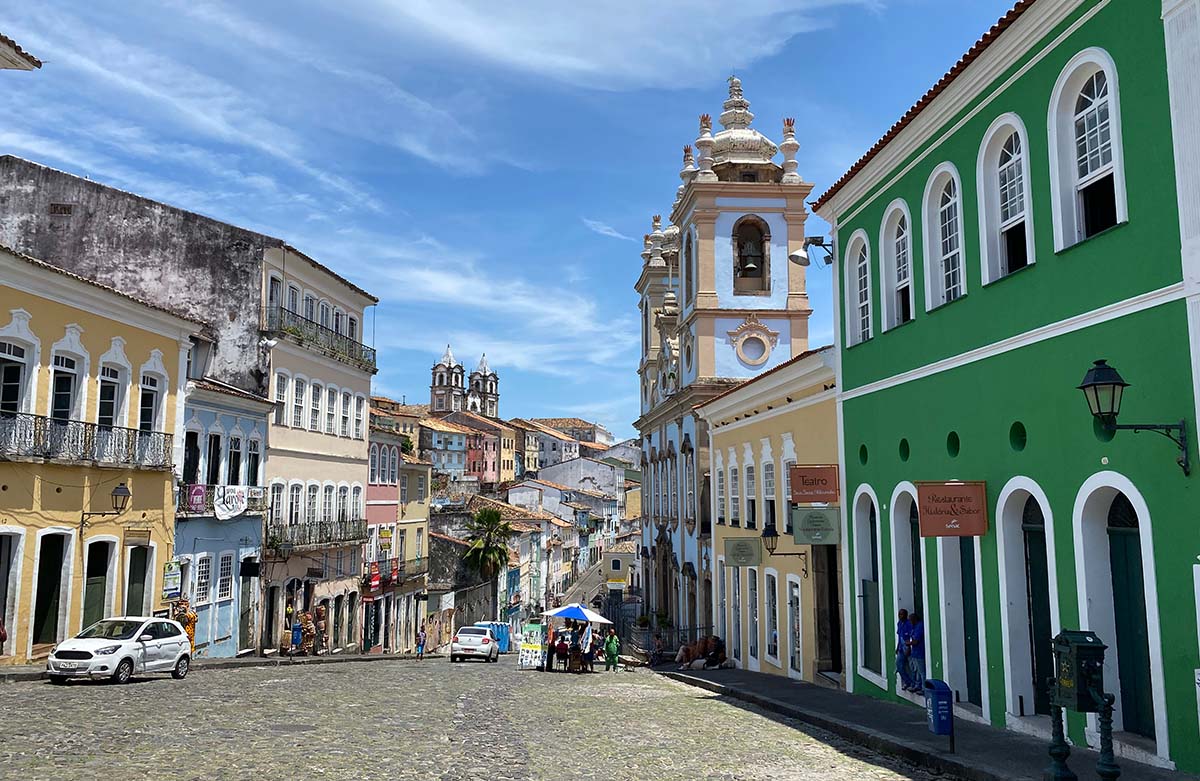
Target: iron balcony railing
[[282, 320], [74, 441], [405, 570], [198, 499], [316, 533]]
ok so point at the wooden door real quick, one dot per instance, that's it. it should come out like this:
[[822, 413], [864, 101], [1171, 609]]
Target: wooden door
[[135, 589], [966, 550], [96, 582], [1037, 589], [1129, 607]]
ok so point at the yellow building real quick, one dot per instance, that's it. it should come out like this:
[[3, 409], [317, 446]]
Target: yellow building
[[778, 611], [91, 387]]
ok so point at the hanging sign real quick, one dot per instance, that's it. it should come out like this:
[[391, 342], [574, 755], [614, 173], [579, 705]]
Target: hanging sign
[[743, 551], [172, 587], [229, 501], [816, 525], [952, 509], [814, 483], [137, 537], [375, 575], [195, 499]]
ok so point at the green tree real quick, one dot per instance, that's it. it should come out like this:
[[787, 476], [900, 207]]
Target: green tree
[[406, 445], [488, 534]]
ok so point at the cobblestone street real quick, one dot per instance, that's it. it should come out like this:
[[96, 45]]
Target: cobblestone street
[[402, 720]]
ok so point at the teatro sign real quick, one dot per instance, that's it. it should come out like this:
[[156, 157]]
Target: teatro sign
[[952, 509], [814, 483]]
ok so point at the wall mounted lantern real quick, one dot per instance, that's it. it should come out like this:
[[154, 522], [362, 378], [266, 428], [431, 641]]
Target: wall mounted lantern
[[120, 501], [770, 539], [1103, 387]]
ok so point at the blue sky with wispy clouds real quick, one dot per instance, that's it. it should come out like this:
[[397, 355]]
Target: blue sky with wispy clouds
[[487, 169]]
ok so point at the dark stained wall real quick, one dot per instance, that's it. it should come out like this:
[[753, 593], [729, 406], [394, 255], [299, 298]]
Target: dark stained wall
[[199, 267]]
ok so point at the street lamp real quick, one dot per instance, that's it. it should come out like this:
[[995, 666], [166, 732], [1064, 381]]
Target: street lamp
[[770, 539], [800, 256], [1103, 387], [120, 500]]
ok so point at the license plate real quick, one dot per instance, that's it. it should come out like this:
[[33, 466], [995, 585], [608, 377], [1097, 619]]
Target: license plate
[[468, 650], [67, 665]]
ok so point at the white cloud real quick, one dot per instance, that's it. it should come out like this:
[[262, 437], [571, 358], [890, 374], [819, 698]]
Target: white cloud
[[604, 229], [613, 44]]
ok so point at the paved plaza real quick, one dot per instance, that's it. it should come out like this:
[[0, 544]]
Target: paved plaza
[[408, 720]]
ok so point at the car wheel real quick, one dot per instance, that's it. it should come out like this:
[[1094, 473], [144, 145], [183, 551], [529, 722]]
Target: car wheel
[[453, 658], [58, 680], [181, 668], [123, 672]]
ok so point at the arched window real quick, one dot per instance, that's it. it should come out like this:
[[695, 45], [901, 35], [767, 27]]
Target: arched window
[[895, 249], [395, 470], [374, 464], [1086, 162], [858, 289], [1005, 214], [944, 280], [751, 256]]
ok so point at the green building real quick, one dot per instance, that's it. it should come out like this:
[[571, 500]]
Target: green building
[[1037, 210]]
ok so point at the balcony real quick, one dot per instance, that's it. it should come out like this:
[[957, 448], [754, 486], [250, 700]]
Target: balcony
[[316, 534], [405, 571], [198, 499], [312, 334], [24, 436]]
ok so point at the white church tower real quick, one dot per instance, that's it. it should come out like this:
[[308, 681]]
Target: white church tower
[[720, 303]]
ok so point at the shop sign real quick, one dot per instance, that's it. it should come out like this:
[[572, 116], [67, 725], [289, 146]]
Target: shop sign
[[229, 501], [195, 499], [952, 509], [315, 572], [743, 551], [172, 588], [375, 574], [817, 525], [137, 536], [814, 483]]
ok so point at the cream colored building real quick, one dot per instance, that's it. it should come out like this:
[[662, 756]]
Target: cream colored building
[[782, 615], [317, 452]]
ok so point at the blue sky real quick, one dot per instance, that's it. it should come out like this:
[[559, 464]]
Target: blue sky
[[485, 168]]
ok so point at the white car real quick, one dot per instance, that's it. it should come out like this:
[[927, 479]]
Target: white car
[[117, 648], [474, 642]]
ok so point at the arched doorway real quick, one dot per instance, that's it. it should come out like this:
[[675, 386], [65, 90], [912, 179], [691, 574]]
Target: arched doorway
[[1129, 612], [866, 557], [1028, 595], [1118, 600]]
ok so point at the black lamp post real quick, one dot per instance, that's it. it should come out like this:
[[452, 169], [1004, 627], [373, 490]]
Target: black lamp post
[[120, 500], [1103, 387], [770, 539]]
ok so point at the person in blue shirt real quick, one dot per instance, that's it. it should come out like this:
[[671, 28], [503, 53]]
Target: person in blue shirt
[[903, 631], [916, 652]]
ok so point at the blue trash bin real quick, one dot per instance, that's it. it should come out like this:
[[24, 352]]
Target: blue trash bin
[[939, 707]]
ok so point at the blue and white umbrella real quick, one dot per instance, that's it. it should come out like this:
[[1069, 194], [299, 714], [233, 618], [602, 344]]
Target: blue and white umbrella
[[577, 612]]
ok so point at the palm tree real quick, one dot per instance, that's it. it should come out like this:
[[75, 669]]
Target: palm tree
[[488, 534]]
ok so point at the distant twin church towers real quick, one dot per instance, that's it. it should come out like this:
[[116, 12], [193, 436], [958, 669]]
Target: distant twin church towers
[[447, 393]]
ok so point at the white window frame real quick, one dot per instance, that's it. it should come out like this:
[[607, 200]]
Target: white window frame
[[373, 469], [204, 579], [856, 297], [770, 576], [316, 393], [888, 264], [992, 261], [935, 293], [1060, 123], [299, 405], [225, 577], [280, 416]]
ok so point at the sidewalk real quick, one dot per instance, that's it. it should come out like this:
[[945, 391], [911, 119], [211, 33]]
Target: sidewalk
[[34, 672], [983, 753]]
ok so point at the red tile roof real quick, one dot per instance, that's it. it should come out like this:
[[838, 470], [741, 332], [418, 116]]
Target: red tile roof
[[780, 367], [972, 54], [29, 58]]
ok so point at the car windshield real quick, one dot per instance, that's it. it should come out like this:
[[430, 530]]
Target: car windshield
[[112, 630], [471, 630]]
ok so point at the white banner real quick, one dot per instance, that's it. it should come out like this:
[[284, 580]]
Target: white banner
[[229, 501]]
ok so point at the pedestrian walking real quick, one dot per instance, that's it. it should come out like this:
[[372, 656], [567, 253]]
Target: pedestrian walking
[[916, 652], [421, 643], [903, 633], [612, 644]]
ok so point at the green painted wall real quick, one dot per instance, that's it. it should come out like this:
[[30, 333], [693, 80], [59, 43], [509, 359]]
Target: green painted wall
[[1036, 384], [1136, 257]]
